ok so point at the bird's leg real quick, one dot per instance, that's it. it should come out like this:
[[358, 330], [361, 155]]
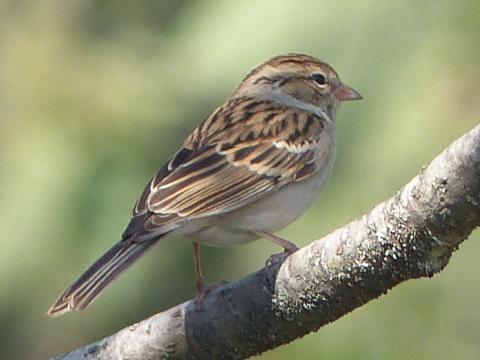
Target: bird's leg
[[289, 247], [200, 285]]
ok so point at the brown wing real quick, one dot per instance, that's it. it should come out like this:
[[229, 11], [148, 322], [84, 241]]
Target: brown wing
[[243, 151]]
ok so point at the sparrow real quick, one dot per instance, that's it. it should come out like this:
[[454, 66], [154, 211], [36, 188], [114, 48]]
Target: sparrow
[[248, 170]]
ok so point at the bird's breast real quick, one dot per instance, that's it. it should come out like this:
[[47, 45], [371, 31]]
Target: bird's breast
[[271, 212]]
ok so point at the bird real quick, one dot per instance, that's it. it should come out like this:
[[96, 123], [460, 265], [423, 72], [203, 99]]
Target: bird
[[248, 170]]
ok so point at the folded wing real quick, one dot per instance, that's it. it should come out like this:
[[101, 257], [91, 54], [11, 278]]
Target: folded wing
[[242, 152]]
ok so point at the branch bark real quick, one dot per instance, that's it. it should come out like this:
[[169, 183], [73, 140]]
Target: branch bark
[[411, 235]]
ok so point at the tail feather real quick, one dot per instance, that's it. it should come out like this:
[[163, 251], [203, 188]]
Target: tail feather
[[87, 287]]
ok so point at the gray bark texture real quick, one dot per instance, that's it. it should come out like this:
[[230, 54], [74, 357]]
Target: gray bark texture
[[409, 236]]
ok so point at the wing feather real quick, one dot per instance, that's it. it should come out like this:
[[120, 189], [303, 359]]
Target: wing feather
[[243, 151]]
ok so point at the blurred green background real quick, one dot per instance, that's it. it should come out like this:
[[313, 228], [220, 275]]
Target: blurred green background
[[95, 95]]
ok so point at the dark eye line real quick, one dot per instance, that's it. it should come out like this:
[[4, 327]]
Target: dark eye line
[[319, 79]]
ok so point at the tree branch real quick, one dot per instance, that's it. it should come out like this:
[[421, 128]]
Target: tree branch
[[409, 236]]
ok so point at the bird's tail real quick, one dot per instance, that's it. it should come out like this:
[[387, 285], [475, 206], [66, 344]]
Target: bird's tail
[[87, 287]]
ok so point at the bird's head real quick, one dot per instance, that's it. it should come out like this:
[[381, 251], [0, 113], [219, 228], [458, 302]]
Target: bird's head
[[301, 77]]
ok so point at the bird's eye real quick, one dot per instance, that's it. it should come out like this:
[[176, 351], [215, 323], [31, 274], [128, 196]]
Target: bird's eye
[[319, 79]]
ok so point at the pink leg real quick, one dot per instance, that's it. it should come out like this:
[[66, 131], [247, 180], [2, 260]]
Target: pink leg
[[200, 285], [289, 247]]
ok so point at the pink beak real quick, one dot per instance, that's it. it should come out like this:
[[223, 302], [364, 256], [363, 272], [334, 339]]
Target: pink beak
[[345, 93]]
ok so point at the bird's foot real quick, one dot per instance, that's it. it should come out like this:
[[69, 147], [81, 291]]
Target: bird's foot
[[288, 246], [203, 290], [281, 257]]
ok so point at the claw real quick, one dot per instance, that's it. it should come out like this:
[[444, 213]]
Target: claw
[[279, 258], [203, 290]]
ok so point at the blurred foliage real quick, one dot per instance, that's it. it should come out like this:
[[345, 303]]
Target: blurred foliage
[[95, 95]]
